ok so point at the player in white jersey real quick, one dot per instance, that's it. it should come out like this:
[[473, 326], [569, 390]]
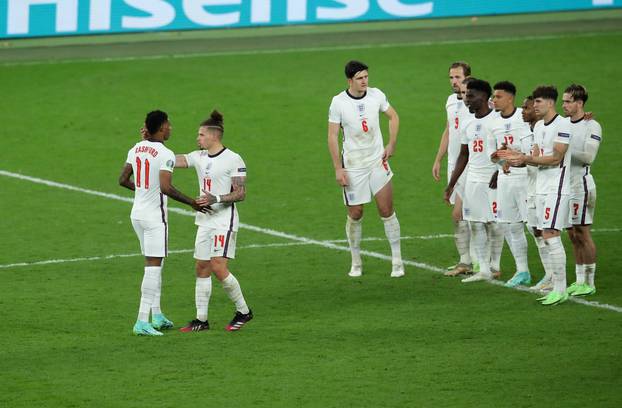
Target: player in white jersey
[[222, 178], [586, 139], [477, 145], [511, 132], [551, 155], [151, 165], [457, 114], [363, 169]]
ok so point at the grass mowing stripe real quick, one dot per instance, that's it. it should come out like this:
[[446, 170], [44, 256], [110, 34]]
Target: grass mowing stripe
[[313, 49], [292, 237]]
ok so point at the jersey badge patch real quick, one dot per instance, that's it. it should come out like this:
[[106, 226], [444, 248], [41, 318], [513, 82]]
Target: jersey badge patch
[[561, 134], [478, 127], [242, 170], [508, 126], [595, 137], [170, 164]]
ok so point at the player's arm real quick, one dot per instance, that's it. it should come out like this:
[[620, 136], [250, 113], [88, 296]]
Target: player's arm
[[394, 128], [442, 151], [180, 161], [238, 185], [166, 185], [588, 153], [333, 148], [125, 177], [463, 159]]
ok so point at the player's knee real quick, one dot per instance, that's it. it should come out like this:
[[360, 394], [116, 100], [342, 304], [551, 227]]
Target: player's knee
[[385, 212], [203, 269], [355, 213]]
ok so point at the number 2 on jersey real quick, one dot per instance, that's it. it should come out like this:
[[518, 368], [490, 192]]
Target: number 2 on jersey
[[138, 171]]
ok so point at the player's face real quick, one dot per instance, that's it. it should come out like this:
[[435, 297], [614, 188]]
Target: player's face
[[462, 93], [529, 115], [456, 76], [569, 105], [358, 83], [475, 100], [542, 106], [202, 138], [502, 100]]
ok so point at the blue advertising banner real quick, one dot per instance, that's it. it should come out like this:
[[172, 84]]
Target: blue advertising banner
[[37, 18]]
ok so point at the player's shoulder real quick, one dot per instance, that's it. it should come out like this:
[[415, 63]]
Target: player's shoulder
[[594, 126], [539, 125], [165, 150], [341, 96], [376, 93]]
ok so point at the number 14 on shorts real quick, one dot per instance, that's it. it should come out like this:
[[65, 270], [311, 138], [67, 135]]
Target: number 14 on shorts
[[219, 241]]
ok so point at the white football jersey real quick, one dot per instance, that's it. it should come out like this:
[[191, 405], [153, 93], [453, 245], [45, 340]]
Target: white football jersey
[[477, 134], [457, 115], [214, 173], [553, 179], [532, 171], [360, 122], [586, 135], [516, 134], [147, 159]]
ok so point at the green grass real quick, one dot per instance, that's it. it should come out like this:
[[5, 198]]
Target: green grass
[[319, 339]]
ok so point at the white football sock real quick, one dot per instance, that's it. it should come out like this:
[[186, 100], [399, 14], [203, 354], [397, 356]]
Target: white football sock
[[462, 237], [202, 293], [557, 255], [496, 240], [392, 231], [472, 250], [354, 231], [480, 239], [232, 288], [155, 307], [515, 235], [148, 290], [579, 271], [590, 273], [543, 250]]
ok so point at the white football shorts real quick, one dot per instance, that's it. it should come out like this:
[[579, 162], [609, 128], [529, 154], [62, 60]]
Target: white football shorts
[[459, 187], [479, 202], [153, 237], [532, 214], [512, 199], [582, 205], [552, 211], [363, 184], [212, 243]]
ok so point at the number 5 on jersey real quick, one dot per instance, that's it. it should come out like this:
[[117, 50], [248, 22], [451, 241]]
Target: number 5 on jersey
[[364, 124]]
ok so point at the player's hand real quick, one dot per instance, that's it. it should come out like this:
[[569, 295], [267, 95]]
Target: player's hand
[[144, 133], [389, 150], [201, 207], [493, 180], [506, 168], [341, 177], [536, 151], [207, 199], [447, 194], [436, 170]]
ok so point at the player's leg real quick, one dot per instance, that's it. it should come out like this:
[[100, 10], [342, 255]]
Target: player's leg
[[462, 239], [555, 220], [233, 290], [587, 247], [154, 250], [354, 233], [158, 320], [355, 195], [382, 189], [513, 212], [478, 211], [496, 236], [546, 283]]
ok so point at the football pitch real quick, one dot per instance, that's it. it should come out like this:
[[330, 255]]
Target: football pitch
[[70, 267]]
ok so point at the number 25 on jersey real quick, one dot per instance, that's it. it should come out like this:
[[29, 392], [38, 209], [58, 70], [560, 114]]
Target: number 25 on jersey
[[478, 145]]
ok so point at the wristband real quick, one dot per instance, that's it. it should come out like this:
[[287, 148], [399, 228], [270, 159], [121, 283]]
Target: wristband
[[217, 198]]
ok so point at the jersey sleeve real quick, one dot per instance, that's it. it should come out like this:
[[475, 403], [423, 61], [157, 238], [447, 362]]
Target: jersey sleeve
[[239, 167], [191, 158], [334, 112], [384, 102], [130, 156], [587, 154], [596, 132], [563, 133], [463, 135], [168, 161]]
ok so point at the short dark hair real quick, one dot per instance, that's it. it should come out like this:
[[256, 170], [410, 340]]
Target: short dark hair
[[466, 68], [352, 67], [545, 92], [506, 86], [480, 85], [154, 121], [578, 92], [529, 98], [215, 121]]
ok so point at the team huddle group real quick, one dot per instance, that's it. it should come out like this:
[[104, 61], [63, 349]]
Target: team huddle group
[[508, 167]]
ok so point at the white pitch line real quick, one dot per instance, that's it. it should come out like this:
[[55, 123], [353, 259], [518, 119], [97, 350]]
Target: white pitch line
[[309, 49], [279, 234]]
